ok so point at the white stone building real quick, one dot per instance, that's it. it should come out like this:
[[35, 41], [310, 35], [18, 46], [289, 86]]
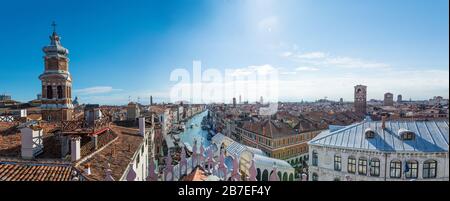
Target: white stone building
[[381, 151]]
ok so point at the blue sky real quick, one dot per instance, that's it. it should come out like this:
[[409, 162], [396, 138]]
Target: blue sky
[[321, 48]]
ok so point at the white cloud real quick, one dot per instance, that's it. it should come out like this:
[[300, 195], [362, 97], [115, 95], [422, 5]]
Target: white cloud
[[286, 54], [306, 68], [288, 73], [321, 59], [347, 62], [96, 90], [312, 55], [417, 84], [249, 70]]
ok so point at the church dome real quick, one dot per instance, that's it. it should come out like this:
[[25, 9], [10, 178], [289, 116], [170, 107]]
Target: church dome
[[55, 47]]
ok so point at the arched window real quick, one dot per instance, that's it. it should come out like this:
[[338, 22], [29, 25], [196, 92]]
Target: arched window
[[258, 174], [396, 169], [280, 176], [315, 158], [411, 168], [59, 91], [285, 176], [351, 165], [291, 177], [265, 176], [429, 169], [362, 166], [375, 167], [49, 92], [315, 177], [337, 163]]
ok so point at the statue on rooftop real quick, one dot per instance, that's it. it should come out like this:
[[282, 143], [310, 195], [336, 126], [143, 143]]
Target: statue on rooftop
[[194, 156], [183, 162], [131, 175], [235, 176], [168, 170], [274, 176], [210, 161], [201, 157], [152, 175], [222, 168], [252, 172]]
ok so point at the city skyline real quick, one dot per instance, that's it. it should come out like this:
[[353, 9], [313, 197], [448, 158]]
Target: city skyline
[[320, 49]]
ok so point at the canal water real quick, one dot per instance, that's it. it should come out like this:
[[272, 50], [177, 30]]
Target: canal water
[[196, 132]]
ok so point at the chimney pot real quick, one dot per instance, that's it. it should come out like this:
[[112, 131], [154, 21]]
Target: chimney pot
[[75, 151], [30, 146], [142, 126], [87, 169], [95, 140]]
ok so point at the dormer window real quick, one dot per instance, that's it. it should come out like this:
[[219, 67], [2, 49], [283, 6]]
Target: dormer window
[[406, 134], [369, 133]]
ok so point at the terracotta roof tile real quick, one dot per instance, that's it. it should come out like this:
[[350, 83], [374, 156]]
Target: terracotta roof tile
[[10, 171], [118, 154]]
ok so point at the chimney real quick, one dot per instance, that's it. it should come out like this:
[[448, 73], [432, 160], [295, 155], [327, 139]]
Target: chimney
[[142, 126], [383, 122], [87, 169], [23, 113], [75, 151], [95, 140], [31, 141]]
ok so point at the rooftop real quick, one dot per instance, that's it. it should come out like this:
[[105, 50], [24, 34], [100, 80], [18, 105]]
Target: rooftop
[[271, 128], [14, 171], [430, 136], [118, 154], [10, 140]]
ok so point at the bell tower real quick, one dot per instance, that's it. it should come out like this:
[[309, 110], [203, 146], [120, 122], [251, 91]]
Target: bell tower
[[56, 82], [360, 99]]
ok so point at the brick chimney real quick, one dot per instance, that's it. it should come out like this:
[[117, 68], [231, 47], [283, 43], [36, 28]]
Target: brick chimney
[[75, 148]]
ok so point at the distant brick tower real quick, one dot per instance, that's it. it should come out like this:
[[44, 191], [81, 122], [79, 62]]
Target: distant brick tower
[[56, 82], [399, 98], [360, 99], [388, 99]]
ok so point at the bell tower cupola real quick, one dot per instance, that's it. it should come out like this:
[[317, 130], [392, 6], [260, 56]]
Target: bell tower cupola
[[56, 81]]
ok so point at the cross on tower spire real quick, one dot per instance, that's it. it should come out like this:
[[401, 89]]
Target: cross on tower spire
[[54, 26]]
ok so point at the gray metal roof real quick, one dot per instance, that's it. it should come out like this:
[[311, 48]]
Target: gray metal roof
[[430, 136]]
